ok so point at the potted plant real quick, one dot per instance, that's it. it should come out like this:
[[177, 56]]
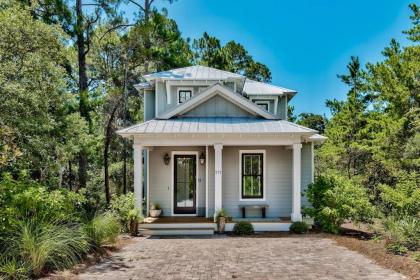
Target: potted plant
[[134, 218], [221, 218], [155, 210]]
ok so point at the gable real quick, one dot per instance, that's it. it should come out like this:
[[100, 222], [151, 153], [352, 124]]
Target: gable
[[217, 106], [218, 90]]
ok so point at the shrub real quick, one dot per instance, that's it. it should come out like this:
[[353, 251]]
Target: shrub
[[23, 199], [403, 231], [13, 269], [122, 206], [103, 230], [243, 228], [416, 256], [155, 206], [44, 246], [336, 199], [396, 249], [299, 227]]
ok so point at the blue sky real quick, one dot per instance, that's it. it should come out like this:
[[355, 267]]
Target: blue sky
[[305, 43]]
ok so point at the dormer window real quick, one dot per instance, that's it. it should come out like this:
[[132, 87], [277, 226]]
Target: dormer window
[[263, 104], [184, 94]]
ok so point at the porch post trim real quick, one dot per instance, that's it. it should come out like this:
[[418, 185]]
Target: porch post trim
[[296, 189], [207, 181], [218, 172], [138, 176]]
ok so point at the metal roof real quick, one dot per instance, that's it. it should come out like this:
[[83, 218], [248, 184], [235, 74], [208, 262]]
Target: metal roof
[[216, 125], [259, 88], [196, 72]]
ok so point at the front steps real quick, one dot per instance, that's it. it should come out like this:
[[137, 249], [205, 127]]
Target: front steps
[[177, 229]]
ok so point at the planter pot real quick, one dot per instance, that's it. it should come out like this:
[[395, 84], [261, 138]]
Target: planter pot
[[221, 224], [134, 227], [155, 213]]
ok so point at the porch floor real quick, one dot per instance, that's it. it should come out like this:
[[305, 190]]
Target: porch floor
[[177, 220], [193, 220]]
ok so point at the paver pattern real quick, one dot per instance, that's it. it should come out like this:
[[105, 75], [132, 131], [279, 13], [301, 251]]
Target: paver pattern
[[236, 258]]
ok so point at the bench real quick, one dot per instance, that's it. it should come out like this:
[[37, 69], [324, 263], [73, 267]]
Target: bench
[[253, 206]]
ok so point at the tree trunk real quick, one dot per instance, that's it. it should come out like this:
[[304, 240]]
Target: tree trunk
[[83, 87], [108, 134]]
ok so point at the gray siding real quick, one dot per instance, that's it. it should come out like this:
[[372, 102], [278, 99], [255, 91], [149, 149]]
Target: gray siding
[[217, 106], [282, 108], [149, 105], [306, 175], [278, 181], [160, 176]]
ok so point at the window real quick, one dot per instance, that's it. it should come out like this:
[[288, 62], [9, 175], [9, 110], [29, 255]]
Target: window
[[263, 105], [252, 178], [184, 95]]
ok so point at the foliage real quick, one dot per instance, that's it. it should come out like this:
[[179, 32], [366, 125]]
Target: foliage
[[43, 245], [222, 213], [13, 269], [335, 199], [313, 121], [416, 256], [155, 206], [403, 231], [24, 199], [103, 230], [231, 57], [243, 228], [404, 198], [299, 227], [396, 249], [123, 206]]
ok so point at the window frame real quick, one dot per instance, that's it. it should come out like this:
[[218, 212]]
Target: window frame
[[263, 102], [263, 179], [184, 89]]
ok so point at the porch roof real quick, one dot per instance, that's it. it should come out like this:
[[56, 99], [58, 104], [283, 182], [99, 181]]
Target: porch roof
[[225, 125]]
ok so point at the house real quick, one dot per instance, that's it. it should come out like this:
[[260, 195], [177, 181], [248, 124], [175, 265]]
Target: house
[[214, 139]]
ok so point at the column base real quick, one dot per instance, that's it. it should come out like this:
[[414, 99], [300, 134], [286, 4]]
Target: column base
[[296, 217]]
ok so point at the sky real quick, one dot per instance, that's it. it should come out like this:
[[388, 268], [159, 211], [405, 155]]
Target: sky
[[305, 43]]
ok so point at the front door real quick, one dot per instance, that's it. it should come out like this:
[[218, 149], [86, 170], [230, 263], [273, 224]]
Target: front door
[[185, 184]]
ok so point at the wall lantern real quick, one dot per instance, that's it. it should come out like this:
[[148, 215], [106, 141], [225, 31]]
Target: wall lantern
[[202, 159], [166, 159]]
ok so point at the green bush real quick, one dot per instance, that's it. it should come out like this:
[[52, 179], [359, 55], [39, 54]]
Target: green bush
[[243, 228], [24, 199], [103, 230], [42, 246], [335, 199], [403, 231], [13, 269], [416, 256], [396, 249], [123, 207], [299, 227]]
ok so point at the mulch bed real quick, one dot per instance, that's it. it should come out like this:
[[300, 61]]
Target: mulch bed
[[363, 243]]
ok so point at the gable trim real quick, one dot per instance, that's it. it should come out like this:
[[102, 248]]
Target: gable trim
[[226, 93]]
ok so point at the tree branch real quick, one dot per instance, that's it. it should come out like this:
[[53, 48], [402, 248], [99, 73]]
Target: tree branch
[[114, 28]]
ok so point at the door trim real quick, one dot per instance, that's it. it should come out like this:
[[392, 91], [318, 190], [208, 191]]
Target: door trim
[[173, 153]]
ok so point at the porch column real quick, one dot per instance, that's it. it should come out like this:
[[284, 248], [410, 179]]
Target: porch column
[[217, 177], [296, 195], [138, 176]]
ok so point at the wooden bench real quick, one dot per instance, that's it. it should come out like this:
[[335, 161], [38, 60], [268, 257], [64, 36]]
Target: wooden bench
[[253, 206]]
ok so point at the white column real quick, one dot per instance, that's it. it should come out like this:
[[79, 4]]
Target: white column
[[296, 191], [138, 175], [218, 177]]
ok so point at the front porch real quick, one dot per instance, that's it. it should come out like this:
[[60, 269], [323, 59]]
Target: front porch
[[214, 180], [206, 226]]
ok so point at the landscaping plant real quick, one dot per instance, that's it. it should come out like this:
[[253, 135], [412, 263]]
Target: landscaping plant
[[243, 228], [299, 227], [103, 230]]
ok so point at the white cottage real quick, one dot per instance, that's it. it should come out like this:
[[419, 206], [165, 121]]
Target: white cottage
[[214, 139]]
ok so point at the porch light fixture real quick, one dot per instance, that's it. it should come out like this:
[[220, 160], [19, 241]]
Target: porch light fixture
[[166, 159], [202, 159]]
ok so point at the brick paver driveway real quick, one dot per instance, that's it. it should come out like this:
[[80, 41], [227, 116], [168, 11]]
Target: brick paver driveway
[[305, 257]]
